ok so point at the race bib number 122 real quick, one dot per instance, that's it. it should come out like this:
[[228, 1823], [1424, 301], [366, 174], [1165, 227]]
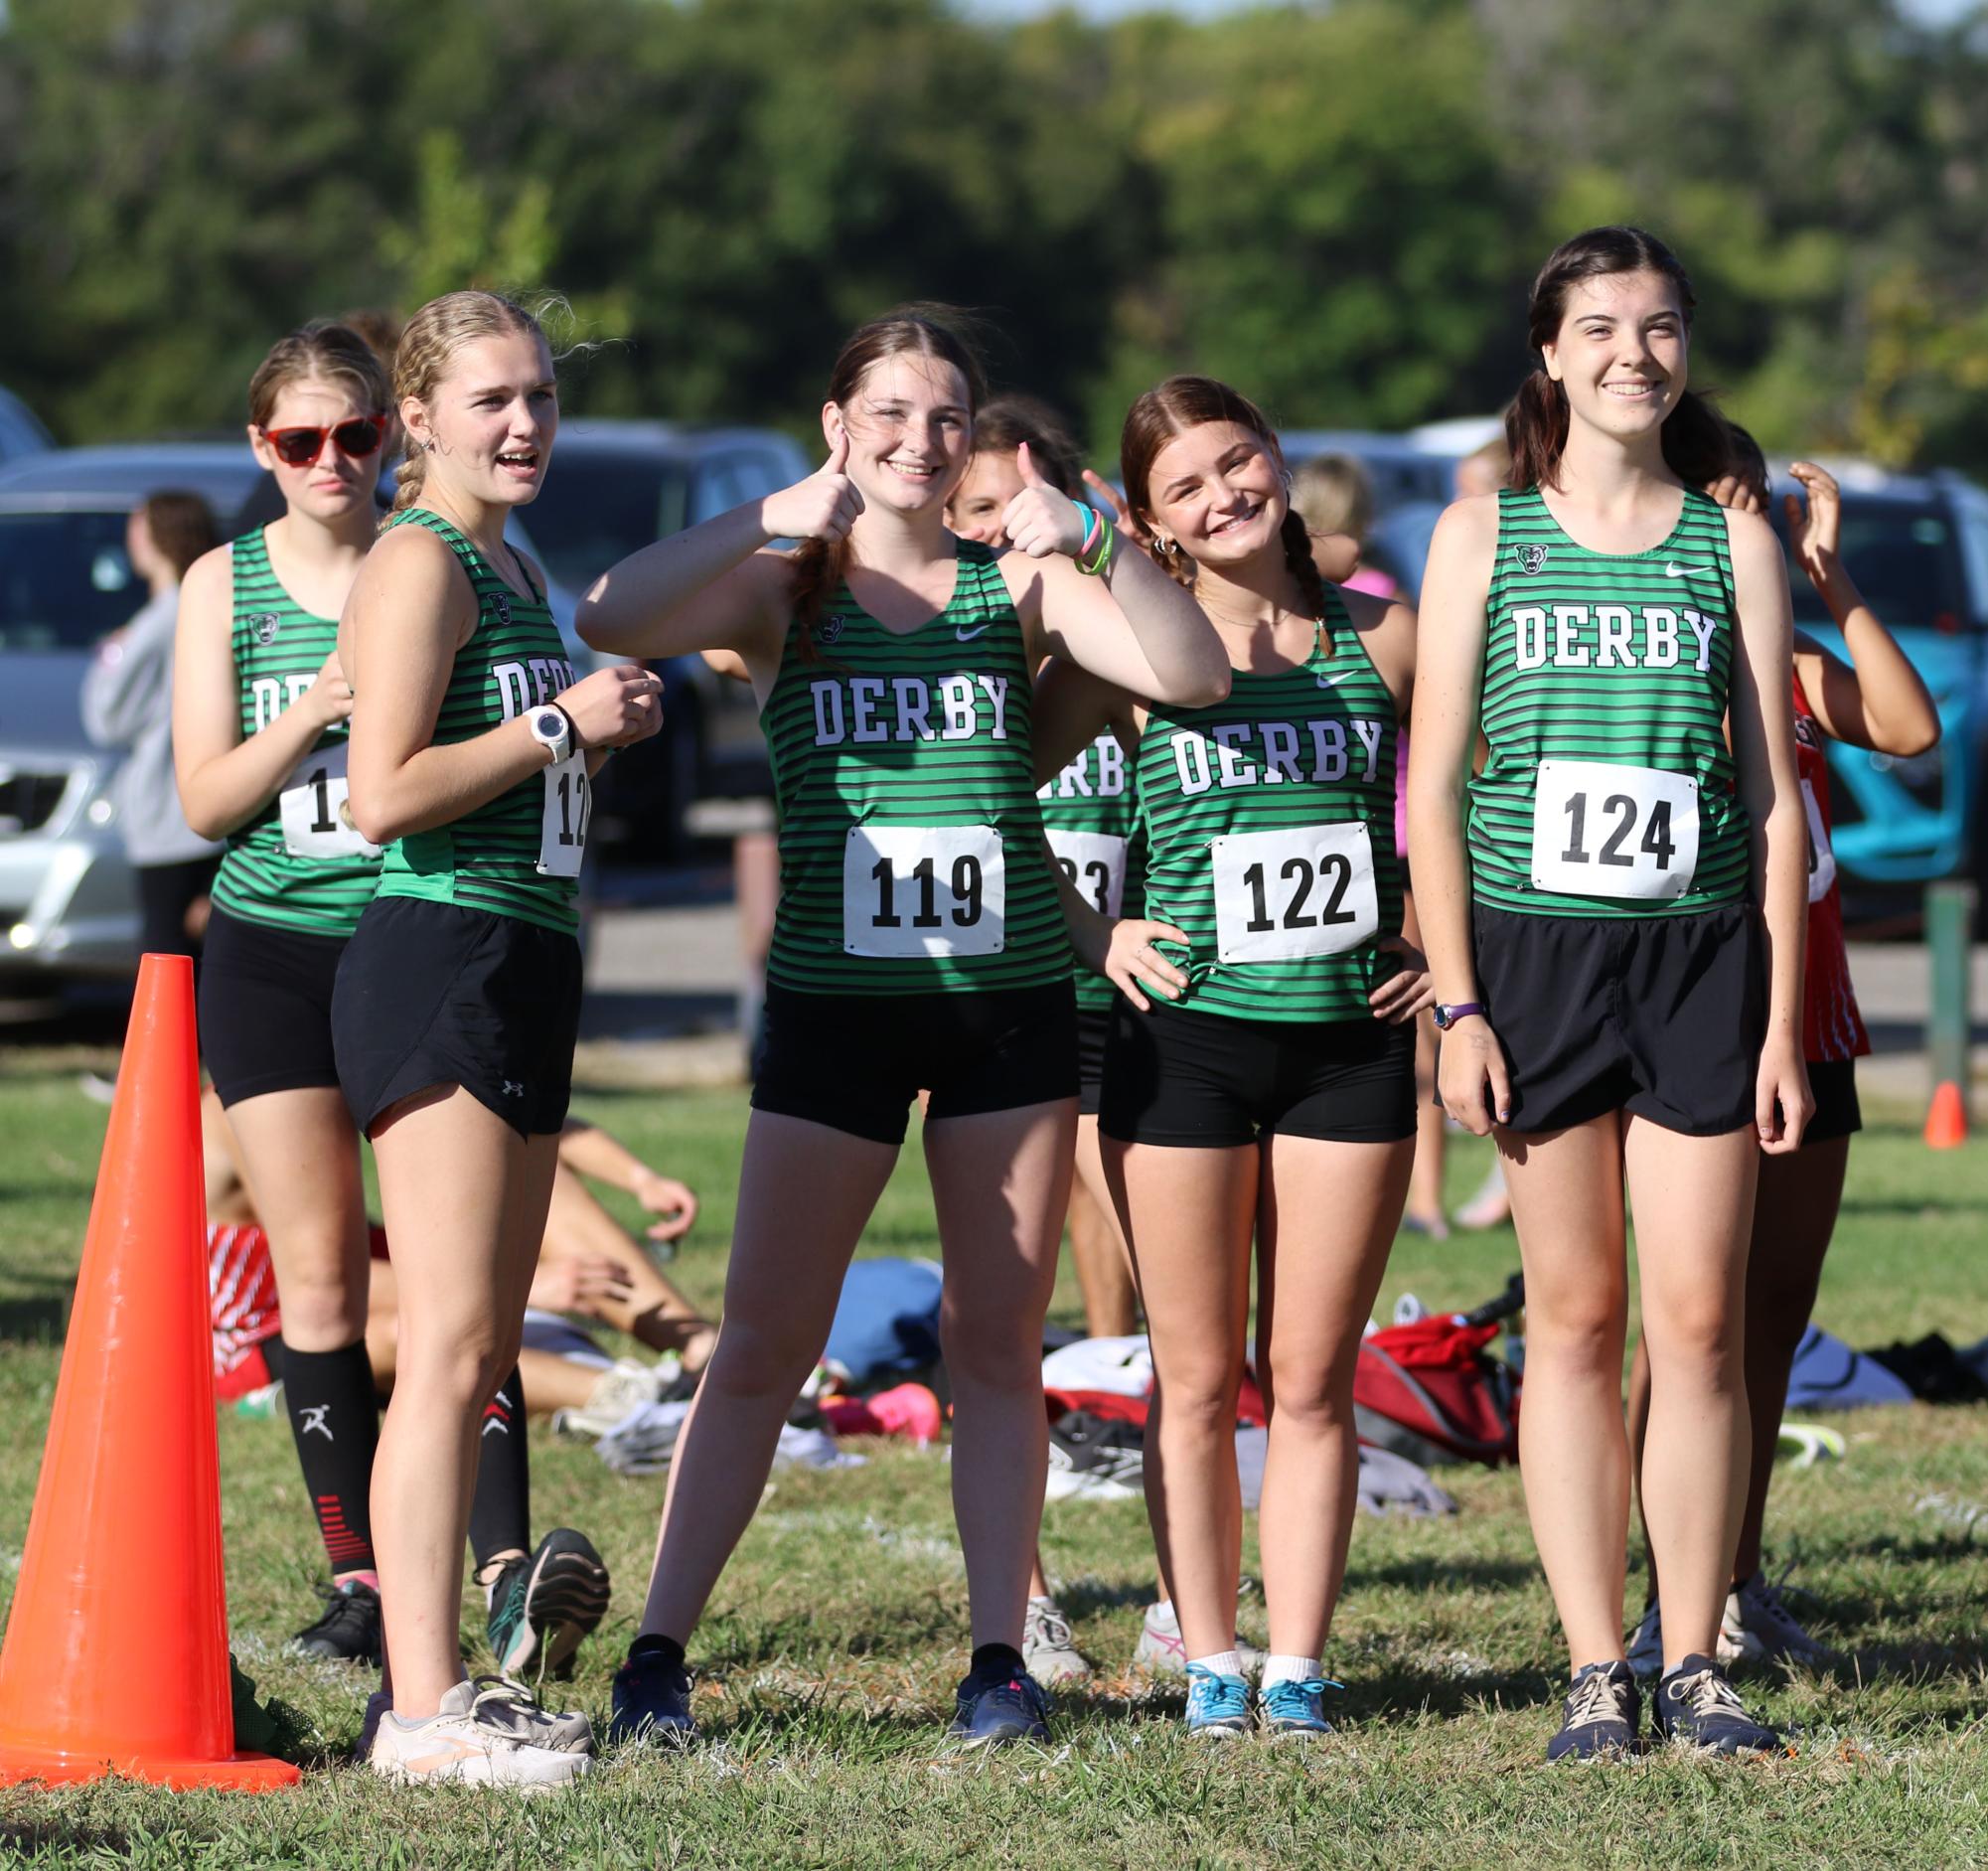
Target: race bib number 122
[[1284, 896], [1614, 830], [562, 827]]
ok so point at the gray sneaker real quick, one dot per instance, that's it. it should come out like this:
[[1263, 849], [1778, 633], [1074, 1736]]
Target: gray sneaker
[[1759, 1628], [502, 1704], [475, 1736], [1163, 1652], [1048, 1649]]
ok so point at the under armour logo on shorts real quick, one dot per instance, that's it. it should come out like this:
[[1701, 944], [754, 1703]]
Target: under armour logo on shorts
[[511, 1089], [1530, 557], [265, 625]]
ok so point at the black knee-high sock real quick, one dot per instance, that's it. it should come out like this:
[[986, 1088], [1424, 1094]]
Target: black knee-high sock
[[500, 1511], [335, 1418]]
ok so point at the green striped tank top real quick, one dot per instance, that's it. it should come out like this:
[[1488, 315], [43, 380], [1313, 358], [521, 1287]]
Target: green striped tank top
[[1609, 788], [299, 864], [1089, 811], [911, 855], [490, 858], [1269, 824]]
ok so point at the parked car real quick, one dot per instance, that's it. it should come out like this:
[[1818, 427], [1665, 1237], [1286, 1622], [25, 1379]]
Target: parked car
[[1918, 547], [617, 486], [21, 430], [68, 900]]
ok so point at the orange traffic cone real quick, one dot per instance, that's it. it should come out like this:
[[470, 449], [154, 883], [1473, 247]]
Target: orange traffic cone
[[1946, 1121], [95, 1679]]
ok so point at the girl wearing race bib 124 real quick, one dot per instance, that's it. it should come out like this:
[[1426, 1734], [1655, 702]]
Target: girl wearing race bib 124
[[458, 998], [1259, 1075], [919, 945], [259, 713], [1596, 923]]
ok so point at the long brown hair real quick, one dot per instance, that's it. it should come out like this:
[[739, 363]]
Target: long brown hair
[[1186, 402], [922, 329], [1695, 447]]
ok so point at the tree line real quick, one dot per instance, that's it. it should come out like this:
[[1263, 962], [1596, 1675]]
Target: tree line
[[1339, 207]]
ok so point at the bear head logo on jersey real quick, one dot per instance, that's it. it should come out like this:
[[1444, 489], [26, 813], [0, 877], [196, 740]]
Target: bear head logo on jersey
[[265, 625], [1530, 557], [502, 604], [830, 630]]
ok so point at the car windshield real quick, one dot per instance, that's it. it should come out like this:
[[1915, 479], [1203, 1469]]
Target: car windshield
[[64, 579], [1902, 555], [598, 505]]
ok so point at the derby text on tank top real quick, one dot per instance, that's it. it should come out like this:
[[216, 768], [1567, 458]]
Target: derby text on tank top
[[911, 853], [1832, 1027], [1089, 812], [300, 862], [1609, 788], [1269, 826], [519, 854]]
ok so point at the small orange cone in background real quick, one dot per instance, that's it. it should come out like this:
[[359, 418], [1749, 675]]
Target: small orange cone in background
[[116, 1652], [1946, 1121]]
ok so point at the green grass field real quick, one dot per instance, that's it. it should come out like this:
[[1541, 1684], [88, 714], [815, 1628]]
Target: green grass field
[[834, 1640]]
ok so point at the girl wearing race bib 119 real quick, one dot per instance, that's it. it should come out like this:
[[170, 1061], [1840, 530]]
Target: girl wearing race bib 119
[[458, 998], [1596, 919], [260, 714], [918, 945], [1259, 1077]]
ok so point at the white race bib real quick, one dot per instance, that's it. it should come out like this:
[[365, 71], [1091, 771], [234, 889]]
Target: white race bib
[[570, 809], [315, 807], [915, 889], [1095, 862], [1614, 830], [1821, 854], [1279, 895]]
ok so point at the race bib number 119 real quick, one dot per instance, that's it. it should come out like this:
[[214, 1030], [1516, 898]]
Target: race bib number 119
[[916, 890], [315, 809], [1614, 830]]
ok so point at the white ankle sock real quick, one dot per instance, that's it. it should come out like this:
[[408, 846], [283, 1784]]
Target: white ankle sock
[[1162, 1609], [1276, 1668], [1223, 1663]]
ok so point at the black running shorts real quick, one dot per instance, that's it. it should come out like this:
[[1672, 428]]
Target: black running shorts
[[1838, 1111], [264, 1007], [855, 1062], [1179, 1076], [1660, 1016], [1093, 1023], [433, 995]]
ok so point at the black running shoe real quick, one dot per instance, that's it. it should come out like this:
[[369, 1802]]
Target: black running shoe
[[542, 1607], [652, 1700], [1695, 1704], [349, 1632], [1603, 1709], [1000, 1705]]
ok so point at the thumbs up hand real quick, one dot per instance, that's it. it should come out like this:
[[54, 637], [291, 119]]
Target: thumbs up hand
[[822, 507], [1039, 520]]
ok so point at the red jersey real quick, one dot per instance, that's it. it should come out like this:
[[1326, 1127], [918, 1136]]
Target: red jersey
[[1831, 1026], [242, 1292]]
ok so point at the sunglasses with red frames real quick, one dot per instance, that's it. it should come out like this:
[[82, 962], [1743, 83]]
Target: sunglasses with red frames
[[356, 438]]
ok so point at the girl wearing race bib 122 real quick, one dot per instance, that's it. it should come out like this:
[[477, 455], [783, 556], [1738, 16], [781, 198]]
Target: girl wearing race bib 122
[[1259, 1076], [259, 713], [458, 998], [918, 945], [1596, 921]]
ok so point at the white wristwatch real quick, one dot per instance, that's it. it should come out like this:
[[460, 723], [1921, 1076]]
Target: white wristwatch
[[553, 729]]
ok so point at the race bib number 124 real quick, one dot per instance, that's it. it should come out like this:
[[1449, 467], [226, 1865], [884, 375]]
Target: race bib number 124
[[1600, 830]]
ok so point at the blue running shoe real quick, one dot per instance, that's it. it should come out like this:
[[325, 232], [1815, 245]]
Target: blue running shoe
[[1295, 1709], [1010, 1706], [652, 1700], [1217, 1706], [1697, 1706]]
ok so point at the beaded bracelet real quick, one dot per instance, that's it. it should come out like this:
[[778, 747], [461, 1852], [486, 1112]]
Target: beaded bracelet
[[1095, 562]]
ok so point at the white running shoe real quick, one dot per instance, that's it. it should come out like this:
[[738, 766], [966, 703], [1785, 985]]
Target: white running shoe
[[1646, 1644], [1163, 1652], [477, 1736], [1048, 1650], [1758, 1627], [625, 1386]]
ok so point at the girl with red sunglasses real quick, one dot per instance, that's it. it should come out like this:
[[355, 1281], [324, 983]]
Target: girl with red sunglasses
[[260, 733]]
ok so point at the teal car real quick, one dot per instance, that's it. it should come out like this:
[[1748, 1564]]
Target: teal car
[[1918, 549]]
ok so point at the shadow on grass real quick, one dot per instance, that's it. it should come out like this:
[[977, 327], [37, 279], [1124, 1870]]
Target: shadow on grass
[[36, 1319], [1445, 1574]]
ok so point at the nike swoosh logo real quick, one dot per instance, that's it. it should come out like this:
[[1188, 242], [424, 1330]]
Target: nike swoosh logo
[[967, 636], [1333, 682], [1687, 571]]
